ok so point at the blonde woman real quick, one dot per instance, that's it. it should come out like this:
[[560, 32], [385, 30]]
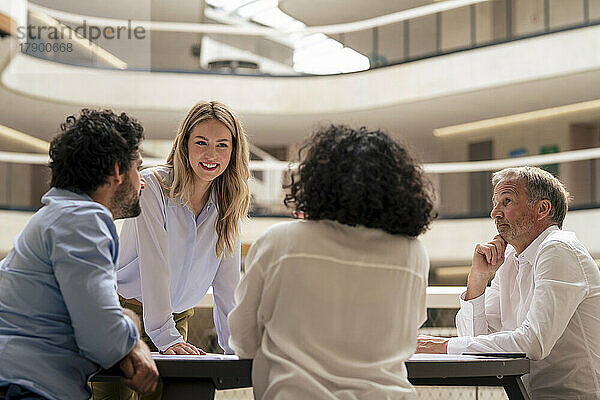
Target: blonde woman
[[187, 237]]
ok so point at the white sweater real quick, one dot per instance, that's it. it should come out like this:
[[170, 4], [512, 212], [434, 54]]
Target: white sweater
[[329, 311]]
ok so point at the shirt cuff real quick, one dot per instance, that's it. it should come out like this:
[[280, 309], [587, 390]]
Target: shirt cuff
[[458, 345], [474, 307], [227, 348], [127, 346], [166, 338], [134, 334]]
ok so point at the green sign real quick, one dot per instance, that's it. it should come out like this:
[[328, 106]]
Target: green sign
[[549, 149]]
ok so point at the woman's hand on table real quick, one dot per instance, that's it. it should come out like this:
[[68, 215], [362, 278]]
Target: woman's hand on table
[[184, 348], [432, 344]]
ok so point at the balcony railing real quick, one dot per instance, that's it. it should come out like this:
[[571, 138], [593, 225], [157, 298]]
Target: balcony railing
[[26, 179]]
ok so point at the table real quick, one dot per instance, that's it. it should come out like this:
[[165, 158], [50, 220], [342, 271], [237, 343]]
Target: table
[[197, 377], [453, 370]]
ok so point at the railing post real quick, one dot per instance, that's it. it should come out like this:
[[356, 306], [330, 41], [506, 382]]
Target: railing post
[[546, 16], [473, 24], [509, 23], [438, 32], [593, 182]]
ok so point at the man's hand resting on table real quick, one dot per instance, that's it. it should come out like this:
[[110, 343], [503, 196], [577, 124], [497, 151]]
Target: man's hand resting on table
[[139, 370], [432, 344], [184, 348]]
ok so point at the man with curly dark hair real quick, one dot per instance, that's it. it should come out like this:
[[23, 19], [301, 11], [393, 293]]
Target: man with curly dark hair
[[60, 318], [318, 292]]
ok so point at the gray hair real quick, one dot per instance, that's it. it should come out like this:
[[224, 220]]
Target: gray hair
[[540, 185]]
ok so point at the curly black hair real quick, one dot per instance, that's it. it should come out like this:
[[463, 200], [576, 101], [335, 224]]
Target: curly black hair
[[361, 177], [84, 154]]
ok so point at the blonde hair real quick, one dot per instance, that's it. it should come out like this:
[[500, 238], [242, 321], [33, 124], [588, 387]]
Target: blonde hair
[[231, 187]]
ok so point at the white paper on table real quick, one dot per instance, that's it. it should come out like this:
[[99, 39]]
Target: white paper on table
[[207, 356], [443, 357]]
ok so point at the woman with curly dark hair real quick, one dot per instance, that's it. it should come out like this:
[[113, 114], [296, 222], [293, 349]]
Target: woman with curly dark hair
[[330, 304]]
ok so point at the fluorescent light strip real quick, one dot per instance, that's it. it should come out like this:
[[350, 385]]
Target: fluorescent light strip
[[24, 139], [262, 31], [82, 41], [24, 158], [493, 123]]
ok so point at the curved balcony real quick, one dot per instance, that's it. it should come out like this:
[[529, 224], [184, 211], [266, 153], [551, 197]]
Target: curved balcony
[[286, 39], [413, 98]]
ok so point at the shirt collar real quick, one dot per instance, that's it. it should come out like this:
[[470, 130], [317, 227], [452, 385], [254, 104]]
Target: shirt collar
[[212, 199], [528, 255], [63, 194], [57, 195], [210, 203]]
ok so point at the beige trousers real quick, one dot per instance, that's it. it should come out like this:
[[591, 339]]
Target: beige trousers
[[117, 390]]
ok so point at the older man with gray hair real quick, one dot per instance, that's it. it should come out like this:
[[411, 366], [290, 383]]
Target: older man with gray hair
[[544, 300]]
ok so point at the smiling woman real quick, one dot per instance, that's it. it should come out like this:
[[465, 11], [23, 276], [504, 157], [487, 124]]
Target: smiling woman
[[187, 237], [209, 148]]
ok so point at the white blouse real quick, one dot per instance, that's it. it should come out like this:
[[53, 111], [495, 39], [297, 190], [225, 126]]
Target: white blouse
[[168, 261], [545, 303], [329, 311]]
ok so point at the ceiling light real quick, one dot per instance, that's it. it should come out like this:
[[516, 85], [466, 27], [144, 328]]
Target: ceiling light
[[38, 145], [514, 119]]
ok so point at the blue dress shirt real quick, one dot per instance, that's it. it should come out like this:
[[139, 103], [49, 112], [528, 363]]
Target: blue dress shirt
[[60, 318], [168, 262]]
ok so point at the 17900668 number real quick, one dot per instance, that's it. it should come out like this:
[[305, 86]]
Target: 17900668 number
[[46, 47]]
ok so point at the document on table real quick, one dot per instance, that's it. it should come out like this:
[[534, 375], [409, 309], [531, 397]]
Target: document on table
[[207, 356], [443, 357]]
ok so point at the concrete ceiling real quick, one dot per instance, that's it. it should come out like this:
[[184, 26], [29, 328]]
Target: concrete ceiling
[[130, 9], [311, 12]]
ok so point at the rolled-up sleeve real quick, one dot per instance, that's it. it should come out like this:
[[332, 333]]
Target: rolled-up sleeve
[[84, 252], [224, 284]]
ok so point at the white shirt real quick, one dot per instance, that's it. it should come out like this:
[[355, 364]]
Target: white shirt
[[545, 303], [168, 261], [329, 311]]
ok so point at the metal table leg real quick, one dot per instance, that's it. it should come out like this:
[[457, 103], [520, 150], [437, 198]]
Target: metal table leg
[[515, 389], [182, 389]]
